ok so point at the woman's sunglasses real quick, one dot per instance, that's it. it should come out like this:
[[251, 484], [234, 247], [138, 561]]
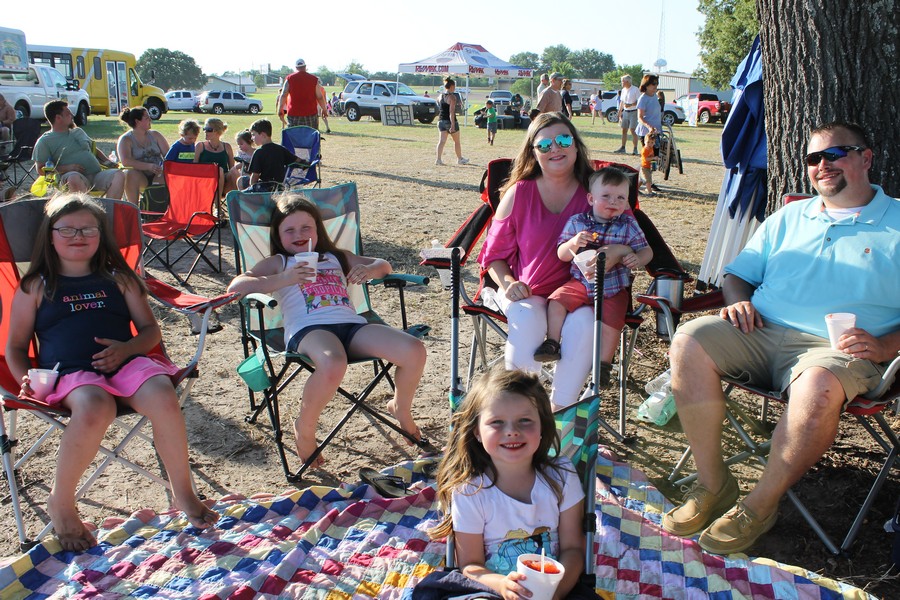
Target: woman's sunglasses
[[831, 154], [563, 140]]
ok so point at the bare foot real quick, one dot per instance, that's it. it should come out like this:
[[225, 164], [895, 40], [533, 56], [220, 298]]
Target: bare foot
[[407, 423], [305, 449], [72, 533], [198, 514]]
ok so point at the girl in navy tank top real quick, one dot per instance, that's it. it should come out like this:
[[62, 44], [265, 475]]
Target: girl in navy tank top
[[80, 298]]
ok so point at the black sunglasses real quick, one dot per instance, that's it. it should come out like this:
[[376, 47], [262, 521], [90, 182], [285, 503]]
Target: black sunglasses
[[563, 140], [831, 154]]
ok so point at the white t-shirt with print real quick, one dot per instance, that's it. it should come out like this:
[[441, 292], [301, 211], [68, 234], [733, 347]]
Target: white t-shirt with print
[[511, 527]]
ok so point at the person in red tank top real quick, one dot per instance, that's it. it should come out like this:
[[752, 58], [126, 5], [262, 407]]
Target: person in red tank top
[[301, 98]]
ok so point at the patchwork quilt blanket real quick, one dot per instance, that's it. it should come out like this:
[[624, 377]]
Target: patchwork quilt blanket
[[349, 542]]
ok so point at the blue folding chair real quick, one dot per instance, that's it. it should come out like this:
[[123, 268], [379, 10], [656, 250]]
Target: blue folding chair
[[306, 144]]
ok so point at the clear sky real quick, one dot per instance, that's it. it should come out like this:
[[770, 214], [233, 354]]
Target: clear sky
[[239, 35]]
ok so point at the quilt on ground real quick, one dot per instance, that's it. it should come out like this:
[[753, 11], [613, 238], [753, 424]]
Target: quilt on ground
[[348, 542]]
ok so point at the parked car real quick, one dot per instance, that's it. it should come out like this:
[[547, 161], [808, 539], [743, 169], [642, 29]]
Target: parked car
[[672, 113], [219, 101], [500, 97], [576, 104], [609, 106], [182, 100], [710, 109], [365, 98]]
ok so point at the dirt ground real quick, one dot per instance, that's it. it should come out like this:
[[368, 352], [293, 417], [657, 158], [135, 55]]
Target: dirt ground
[[406, 202]]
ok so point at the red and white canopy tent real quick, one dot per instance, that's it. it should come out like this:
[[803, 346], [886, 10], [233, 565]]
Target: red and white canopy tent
[[465, 59]]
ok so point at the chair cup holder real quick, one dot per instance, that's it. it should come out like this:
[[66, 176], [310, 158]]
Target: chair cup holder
[[253, 372]]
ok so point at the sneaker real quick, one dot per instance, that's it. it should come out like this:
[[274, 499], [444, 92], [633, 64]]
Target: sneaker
[[548, 351], [700, 507], [439, 163], [736, 530], [620, 150], [327, 131], [635, 152], [655, 188], [463, 161]]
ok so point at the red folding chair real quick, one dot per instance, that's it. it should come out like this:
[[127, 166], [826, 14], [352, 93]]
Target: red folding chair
[[189, 217], [18, 223]]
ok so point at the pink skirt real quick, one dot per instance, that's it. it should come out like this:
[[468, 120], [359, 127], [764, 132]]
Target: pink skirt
[[123, 384]]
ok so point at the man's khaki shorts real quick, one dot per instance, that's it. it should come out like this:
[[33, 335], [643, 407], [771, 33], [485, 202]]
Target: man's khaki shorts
[[774, 356], [101, 181]]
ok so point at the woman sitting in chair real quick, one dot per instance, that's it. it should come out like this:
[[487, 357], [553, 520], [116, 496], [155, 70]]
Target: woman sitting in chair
[[319, 320], [141, 150], [547, 184]]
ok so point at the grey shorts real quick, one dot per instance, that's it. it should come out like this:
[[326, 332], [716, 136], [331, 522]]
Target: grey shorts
[[100, 181], [774, 356], [492, 127], [446, 126], [629, 119]]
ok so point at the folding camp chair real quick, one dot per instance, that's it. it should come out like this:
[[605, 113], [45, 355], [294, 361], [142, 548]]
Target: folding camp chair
[[305, 143], [269, 369], [14, 159], [189, 217], [483, 310], [18, 223]]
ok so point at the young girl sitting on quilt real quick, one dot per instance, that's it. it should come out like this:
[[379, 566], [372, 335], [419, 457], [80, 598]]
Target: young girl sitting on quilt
[[319, 320], [502, 493], [101, 364]]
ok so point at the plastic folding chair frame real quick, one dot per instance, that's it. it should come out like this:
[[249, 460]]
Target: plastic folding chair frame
[[310, 166], [23, 142]]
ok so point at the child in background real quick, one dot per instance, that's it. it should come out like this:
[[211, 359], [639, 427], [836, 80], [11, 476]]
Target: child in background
[[503, 494], [183, 149], [270, 160], [607, 228], [214, 150], [319, 320], [491, 114], [101, 364], [244, 142], [648, 162]]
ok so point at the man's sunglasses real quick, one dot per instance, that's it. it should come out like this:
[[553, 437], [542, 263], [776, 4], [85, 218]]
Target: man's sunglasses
[[563, 140], [831, 154]]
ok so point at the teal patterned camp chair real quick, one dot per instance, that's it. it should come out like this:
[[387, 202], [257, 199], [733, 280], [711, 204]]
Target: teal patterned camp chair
[[268, 368]]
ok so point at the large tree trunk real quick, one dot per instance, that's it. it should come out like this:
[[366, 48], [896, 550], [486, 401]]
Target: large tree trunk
[[826, 60]]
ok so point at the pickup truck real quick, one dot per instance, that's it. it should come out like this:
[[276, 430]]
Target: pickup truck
[[28, 89], [710, 108]]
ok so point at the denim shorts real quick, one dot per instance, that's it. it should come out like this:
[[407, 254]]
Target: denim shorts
[[446, 126], [343, 331]]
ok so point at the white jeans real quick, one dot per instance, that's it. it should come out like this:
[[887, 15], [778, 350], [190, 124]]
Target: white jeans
[[527, 320]]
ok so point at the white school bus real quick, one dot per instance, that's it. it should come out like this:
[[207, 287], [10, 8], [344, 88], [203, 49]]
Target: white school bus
[[108, 76]]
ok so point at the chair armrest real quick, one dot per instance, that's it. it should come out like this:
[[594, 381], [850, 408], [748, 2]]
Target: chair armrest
[[181, 301], [257, 300], [399, 280], [886, 380]]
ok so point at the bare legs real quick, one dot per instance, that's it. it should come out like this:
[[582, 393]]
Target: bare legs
[[805, 432], [442, 141], [330, 360], [93, 410]]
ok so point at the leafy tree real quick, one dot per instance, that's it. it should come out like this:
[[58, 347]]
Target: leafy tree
[[566, 69], [170, 69], [529, 60], [325, 75], [523, 86], [725, 38], [356, 68], [554, 54], [612, 80], [384, 75], [259, 80], [592, 64]]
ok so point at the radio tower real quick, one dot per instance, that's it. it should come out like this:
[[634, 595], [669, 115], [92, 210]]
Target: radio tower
[[660, 64]]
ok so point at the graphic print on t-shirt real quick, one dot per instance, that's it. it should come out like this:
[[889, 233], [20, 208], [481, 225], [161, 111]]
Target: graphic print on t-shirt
[[327, 290], [502, 558], [89, 301]]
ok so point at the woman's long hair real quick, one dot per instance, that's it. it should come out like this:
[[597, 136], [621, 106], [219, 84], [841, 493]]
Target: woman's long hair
[[525, 165], [107, 262], [289, 203], [465, 458]]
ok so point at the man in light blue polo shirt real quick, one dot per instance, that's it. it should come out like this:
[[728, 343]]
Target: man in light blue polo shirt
[[836, 252]]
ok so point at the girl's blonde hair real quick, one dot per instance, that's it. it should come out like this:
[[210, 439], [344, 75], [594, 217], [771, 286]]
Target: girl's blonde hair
[[108, 261], [217, 124], [465, 458]]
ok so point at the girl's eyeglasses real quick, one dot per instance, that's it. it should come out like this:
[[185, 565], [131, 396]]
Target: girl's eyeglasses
[[831, 154], [563, 140], [70, 232]]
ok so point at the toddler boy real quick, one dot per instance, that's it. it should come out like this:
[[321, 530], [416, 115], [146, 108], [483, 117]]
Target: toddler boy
[[183, 149]]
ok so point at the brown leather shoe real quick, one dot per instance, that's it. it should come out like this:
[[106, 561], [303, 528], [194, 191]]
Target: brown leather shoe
[[736, 530], [700, 507]]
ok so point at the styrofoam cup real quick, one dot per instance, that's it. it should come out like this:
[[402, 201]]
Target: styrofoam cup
[[311, 259], [541, 585], [837, 324], [582, 259], [42, 382]]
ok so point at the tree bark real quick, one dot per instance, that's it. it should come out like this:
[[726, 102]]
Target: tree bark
[[828, 60]]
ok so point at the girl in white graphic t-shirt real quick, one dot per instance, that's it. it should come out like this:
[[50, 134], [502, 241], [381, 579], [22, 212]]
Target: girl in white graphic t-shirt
[[321, 323]]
